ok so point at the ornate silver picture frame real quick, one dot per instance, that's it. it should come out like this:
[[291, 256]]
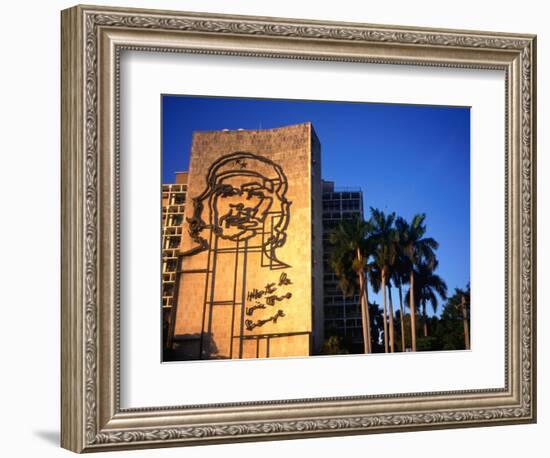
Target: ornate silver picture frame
[[93, 39]]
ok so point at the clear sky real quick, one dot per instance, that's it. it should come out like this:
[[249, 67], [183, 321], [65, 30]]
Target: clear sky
[[407, 159]]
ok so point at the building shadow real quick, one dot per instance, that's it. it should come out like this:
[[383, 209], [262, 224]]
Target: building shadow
[[188, 347]]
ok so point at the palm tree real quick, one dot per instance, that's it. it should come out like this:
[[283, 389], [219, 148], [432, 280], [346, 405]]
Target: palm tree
[[376, 324], [376, 284], [400, 276], [391, 314], [348, 259], [415, 248], [384, 257], [427, 287], [464, 308]]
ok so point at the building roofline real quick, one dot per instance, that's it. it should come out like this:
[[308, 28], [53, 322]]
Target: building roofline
[[305, 123]]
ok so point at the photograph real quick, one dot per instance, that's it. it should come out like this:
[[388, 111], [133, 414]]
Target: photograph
[[297, 228]]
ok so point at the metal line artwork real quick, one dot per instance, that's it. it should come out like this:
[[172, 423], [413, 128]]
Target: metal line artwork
[[250, 310], [258, 294], [248, 204], [250, 325], [284, 279], [270, 300], [244, 203]]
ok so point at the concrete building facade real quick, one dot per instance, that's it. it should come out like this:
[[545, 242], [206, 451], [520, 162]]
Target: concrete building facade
[[173, 209], [249, 260]]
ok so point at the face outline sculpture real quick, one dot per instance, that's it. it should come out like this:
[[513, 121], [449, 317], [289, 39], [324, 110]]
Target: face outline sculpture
[[240, 209], [243, 190]]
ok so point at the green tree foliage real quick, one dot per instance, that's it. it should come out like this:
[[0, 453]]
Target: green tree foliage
[[428, 287], [351, 241], [447, 331], [387, 253], [384, 254], [334, 345]]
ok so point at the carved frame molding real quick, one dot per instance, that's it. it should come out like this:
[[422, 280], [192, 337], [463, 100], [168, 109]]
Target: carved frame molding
[[92, 39]]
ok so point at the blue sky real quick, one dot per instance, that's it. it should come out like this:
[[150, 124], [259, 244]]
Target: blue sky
[[406, 158]]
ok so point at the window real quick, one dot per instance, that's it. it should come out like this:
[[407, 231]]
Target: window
[[331, 205], [179, 198], [177, 220], [350, 205], [168, 289], [174, 242], [353, 311], [171, 265]]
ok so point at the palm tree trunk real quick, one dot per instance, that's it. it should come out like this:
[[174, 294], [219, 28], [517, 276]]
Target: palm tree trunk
[[466, 325], [466, 334], [385, 313], [392, 330], [413, 313], [367, 311], [364, 312], [402, 318], [425, 319]]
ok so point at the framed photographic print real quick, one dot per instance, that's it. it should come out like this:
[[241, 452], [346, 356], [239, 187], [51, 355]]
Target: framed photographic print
[[278, 228]]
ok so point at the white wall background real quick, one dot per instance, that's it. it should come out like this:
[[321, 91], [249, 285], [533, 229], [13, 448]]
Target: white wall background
[[29, 234]]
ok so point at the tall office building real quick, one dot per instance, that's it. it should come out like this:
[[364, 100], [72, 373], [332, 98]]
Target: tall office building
[[342, 314], [249, 247], [173, 209]]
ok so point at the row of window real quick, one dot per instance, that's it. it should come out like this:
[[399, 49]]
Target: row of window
[[171, 241], [341, 195], [331, 284], [174, 187], [175, 220], [330, 223], [177, 199], [340, 323], [339, 299], [352, 311], [172, 230], [341, 205]]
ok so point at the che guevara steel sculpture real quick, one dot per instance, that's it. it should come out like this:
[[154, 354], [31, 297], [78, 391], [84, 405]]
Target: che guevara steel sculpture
[[238, 210], [242, 209]]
